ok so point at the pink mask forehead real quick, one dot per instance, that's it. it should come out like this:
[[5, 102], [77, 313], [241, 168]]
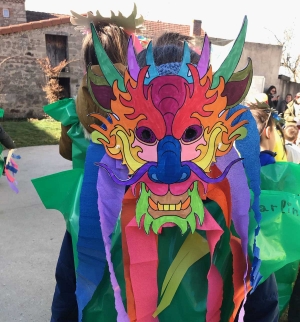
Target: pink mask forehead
[[168, 96]]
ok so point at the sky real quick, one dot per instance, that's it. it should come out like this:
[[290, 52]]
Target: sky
[[220, 19]]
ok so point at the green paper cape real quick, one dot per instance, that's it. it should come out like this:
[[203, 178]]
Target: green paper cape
[[61, 191], [278, 239]]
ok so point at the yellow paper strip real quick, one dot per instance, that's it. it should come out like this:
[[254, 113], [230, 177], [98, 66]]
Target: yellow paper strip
[[9, 154], [193, 248]]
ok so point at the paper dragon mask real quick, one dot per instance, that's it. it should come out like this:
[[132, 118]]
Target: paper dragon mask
[[168, 130], [177, 134]]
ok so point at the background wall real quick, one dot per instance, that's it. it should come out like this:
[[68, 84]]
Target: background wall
[[21, 78]]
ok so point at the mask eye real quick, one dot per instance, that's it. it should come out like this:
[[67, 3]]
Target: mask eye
[[145, 135], [192, 133]]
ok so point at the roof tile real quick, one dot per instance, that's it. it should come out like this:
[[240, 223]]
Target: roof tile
[[47, 23], [151, 26], [34, 25]]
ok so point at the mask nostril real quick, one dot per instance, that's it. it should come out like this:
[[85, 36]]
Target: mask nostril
[[154, 177], [183, 176]]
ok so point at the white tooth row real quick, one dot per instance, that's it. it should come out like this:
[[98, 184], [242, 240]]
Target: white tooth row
[[169, 207]]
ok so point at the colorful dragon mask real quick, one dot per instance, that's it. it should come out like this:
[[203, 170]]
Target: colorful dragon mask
[[169, 129]]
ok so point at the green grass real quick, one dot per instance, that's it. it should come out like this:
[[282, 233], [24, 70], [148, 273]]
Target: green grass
[[33, 132]]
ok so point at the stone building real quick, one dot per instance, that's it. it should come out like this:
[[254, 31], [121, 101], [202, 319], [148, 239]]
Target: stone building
[[12, 12], [266, 61], [25, 37], [21, 77]]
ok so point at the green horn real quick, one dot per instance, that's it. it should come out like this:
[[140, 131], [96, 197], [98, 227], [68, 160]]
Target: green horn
[[231, 61], [108, 69]]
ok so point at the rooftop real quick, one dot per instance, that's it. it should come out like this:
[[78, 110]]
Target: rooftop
[[38, 20]]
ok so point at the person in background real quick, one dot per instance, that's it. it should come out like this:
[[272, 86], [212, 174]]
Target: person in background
[[279, 149], [6, 140], [168, 46], [272, 96], [8, 143], [283, 104], [293, 151], [292, 113]]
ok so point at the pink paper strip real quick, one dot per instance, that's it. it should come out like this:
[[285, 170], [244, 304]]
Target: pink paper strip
[[143, 270], [9, 177], [137, 44], [144, 262]]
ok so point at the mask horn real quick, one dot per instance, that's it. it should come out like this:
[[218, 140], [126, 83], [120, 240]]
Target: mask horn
[[152, 71], [133, 66], [231, 61], [109, 70], [186, 59], [204, 58]]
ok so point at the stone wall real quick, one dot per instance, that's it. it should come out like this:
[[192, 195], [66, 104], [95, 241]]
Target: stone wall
[[17, 13], [21, 81], [266, 61], [21, 78]]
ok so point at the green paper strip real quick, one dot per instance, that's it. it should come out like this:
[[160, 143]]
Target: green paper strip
[[193, 248], [1, 112], [61, 191], [109, 70], [63, 111], [79, 145]]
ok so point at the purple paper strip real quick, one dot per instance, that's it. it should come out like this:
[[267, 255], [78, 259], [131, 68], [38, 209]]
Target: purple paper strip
[[144, 168], [240, 199], [13, 186], [128, 181], [110, 196], [202, 175], [133, 66], [204, 58]]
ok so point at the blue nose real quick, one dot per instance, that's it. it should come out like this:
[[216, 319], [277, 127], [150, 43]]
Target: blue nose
[[169, 169]]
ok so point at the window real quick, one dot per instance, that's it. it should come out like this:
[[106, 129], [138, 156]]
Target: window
[[5, 13], [56, 48]]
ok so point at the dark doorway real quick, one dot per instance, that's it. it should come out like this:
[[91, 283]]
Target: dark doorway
[[64, 82]]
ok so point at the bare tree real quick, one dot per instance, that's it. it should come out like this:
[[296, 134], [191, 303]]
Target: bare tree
[[290, 52], [52, 88]]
